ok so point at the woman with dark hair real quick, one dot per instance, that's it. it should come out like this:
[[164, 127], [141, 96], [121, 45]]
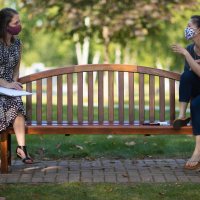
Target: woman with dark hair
[[189, 89], [12, 111]]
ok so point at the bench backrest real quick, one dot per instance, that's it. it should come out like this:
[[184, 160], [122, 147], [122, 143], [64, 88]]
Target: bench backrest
[[117, 93]]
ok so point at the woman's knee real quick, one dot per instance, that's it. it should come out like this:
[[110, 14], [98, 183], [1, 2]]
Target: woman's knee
[[19, 119], [187, 76]]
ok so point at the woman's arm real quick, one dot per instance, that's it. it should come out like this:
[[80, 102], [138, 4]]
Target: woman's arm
[[194, 65], [16, 69], [13, 85], [3, 83]]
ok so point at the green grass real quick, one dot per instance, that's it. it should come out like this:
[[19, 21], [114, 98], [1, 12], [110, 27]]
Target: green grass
[[78, 191], [96, 146], [85, 113], [45, 147]]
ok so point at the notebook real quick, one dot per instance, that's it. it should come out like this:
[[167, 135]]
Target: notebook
[[13, 92]]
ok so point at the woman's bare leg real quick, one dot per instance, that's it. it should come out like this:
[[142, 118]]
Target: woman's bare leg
[[196, 154], [182, 110], [19, 128]]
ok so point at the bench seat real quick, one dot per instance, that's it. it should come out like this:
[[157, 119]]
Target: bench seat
[[102, 128]]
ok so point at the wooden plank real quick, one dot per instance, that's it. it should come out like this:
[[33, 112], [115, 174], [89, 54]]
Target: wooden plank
[[9, 149], [29, 102], [100, 98], [106, 129], [121, 97], [70, 98], [90, 98], [49, 100], [141, 99], [151, 98], [59, 99], [80, 97], [162, 98], [172, 100], [110, 96], [4, 152], [39, 101], [99, 67], [131, 97]]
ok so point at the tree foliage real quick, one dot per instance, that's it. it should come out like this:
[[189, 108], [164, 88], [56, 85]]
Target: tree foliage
[[111, 20], [143, 30]]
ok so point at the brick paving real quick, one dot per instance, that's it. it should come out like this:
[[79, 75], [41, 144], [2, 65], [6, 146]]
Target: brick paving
[[101, 171]]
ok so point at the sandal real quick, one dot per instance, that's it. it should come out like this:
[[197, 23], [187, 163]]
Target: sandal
[[197, 166], [178, 123], [27, 159]]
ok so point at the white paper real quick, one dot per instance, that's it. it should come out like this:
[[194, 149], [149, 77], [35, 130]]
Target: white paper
[[13, 92], [163, 123]]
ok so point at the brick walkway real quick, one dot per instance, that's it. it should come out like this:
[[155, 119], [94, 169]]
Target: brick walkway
[[101, 170]]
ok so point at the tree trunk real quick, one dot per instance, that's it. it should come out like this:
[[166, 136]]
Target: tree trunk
[[106, 53]]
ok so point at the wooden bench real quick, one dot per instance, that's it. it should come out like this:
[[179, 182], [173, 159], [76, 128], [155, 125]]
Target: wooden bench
[[124, 96]]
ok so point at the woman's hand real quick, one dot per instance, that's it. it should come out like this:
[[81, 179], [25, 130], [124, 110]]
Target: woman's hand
[[14, 85], [197, 61], [178, 49]]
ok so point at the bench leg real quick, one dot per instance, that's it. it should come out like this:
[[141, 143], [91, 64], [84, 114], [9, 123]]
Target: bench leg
[[4, 152], [9, 149]]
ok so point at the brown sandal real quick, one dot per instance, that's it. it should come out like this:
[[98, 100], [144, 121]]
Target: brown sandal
[[197, 166], [178, 123]]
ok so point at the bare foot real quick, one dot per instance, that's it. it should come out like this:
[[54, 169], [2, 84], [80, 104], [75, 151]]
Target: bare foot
[[194, 160]]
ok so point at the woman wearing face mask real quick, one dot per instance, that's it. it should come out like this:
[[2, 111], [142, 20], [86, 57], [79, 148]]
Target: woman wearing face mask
[[11, 108], [189, 89]]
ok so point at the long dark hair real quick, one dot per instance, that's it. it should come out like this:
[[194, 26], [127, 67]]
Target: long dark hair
[[6, 15], [196, 20]]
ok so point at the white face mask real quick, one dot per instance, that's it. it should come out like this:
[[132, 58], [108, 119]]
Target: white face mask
[[189, 33]]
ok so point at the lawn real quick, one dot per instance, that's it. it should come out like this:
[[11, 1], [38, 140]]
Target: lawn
[[110, 146], [45, 147], [52, 147], [79, 191]]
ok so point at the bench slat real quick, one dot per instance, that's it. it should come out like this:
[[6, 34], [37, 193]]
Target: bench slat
[[172, 100], [131, 97], [59, 99], [141, 99], [121, 96], [162, 98], [70, 98], [39, 101], [90, 98], [100, 97], [49, 100], [80, 97], [110, 96], [152, 98], [133, 102], [29, 102]]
